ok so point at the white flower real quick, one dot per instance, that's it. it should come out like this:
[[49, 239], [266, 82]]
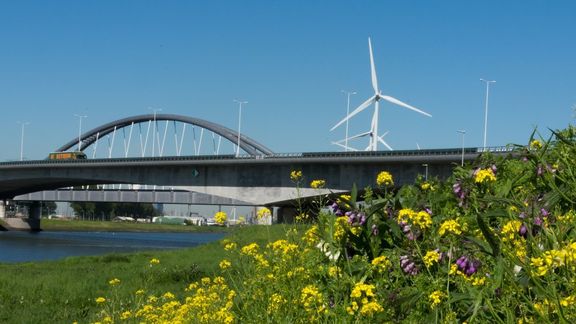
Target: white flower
[[325, 248]]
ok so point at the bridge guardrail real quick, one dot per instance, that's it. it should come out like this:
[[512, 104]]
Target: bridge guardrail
[[450, 151]]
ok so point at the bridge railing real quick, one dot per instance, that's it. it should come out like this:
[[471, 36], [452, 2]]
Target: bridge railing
[[436, 152]]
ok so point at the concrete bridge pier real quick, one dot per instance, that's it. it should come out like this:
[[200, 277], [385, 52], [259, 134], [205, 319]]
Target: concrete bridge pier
[[2, 209], [31, 223], [34, 214], [286, 214]]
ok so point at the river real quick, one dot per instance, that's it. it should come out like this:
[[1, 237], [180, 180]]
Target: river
[[46, 245]]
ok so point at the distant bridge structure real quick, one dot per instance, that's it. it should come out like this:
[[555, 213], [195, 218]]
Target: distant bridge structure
[[150, 135], [257, 177]]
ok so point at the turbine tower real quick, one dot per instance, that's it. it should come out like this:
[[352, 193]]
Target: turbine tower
[[373, 133]]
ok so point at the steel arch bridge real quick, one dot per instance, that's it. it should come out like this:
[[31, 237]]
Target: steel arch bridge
[[177, 124]]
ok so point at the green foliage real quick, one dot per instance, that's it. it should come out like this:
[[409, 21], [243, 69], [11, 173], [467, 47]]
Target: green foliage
[[106, 211], [493, 243]]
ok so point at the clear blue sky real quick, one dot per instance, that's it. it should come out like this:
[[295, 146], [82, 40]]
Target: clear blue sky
[[290, 60]]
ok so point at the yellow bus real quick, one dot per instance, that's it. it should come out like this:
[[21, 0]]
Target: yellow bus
[[75, 155]]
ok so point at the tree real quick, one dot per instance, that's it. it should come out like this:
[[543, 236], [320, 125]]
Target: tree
[[48, 208]]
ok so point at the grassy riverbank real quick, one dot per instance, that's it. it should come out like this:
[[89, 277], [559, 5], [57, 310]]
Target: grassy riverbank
[[65, 291], [95, 226]]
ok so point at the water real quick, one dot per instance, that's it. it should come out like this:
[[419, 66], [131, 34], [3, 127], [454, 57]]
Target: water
[[46, 245]]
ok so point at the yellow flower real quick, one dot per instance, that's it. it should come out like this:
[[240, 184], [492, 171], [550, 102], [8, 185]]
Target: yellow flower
[[362, 290], [154, 261], [334, 272], [275, 303], [405, 214], [436, 298], [567, 301], [381, 263], [250, 249], [100, 300], [541, 268], [296, 175], [312, 299], [426, 186], [263, 212], [370, 308], [220, 217], [317, 184], [535, 144], [484, 175], [230, 246], [114, 282], [225, 264], [431, 258], [384, 179], [311, 236], [423, 219], [568, 218], [283, 247], [510, 229], [450, 226], [340, 228], [363, 297], [125, 315]]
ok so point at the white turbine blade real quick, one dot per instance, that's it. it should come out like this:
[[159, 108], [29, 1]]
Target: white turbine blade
[[357, 110], [381, 140], [344, 146], [405, 105], [360, 135], [372, 68]]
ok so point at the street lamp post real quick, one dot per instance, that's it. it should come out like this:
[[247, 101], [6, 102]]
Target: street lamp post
[[486, 108], [425, 165], [463, 132], [22, 140], [348, 93], [240, 103], [80, 131], [154, 128]]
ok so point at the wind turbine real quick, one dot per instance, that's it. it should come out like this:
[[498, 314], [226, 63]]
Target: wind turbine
[[373, 133], [342, 143]]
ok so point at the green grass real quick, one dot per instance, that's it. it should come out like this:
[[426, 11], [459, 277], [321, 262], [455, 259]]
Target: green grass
[[83, 225], [64, 291]]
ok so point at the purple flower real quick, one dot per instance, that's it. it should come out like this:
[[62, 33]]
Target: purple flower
[[538, 221], [544, 212], [467, 266], [539, 170], [457, 187], [375, 230], [523, 230], [335, 208], [408, 266], [407, 229], [362, 218]]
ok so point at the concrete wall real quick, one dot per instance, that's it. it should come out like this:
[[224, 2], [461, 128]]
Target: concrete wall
[[258, 182]]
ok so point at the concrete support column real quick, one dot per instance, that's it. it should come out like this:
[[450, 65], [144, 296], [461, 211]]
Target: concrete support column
[[2, 209], [34, 210], [286, 214], [34, 213]]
